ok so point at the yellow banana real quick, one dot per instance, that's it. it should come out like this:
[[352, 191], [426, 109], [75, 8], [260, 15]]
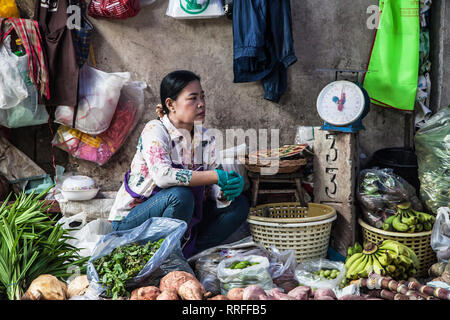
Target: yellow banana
[[382, 258]]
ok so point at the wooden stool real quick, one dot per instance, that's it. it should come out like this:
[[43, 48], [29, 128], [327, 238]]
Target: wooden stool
[[294, 178]]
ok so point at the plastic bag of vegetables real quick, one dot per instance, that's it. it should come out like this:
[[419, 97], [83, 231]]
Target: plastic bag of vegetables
[[432, 144], [320, 273], [379, 191], [150, 232], [243, 270]]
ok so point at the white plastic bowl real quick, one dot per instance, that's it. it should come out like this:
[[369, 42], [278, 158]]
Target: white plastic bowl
[[80, 195]]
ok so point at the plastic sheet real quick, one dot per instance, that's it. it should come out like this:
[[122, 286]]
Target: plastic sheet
[[440, 235]]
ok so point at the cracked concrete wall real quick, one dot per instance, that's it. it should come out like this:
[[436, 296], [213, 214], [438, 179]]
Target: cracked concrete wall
[[327, 34]]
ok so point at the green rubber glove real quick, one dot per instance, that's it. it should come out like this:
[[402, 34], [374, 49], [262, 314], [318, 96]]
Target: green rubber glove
[[222, 177], [234, 186]]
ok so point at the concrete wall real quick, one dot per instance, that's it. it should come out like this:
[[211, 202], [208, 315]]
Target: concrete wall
[[327, 34]]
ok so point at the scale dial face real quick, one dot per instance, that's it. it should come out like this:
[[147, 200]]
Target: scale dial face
[[341, 103]]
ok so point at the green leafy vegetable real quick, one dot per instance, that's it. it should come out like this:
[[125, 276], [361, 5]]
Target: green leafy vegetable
[[123, 263]]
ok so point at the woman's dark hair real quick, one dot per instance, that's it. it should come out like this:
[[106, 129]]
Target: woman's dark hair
[[173, 83]]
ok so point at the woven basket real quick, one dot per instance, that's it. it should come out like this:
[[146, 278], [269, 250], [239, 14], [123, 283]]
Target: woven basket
[[288, 225], [284, 166], [419, 242]]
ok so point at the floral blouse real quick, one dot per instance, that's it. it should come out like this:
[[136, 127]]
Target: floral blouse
[[160, 145]]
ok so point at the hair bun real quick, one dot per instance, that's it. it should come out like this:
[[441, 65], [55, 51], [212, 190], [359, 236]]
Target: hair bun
[[160, 111]]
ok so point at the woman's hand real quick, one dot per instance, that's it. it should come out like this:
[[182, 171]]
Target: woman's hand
[[234, 185]]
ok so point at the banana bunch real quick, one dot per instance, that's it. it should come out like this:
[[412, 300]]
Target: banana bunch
[[388, 257], [407, 219]]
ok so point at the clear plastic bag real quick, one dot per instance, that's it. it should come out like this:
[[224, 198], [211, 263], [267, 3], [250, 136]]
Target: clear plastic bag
[[98, 95], [282, 268], [205, 263], [379, 191], [440, 235], [240, 278], [195, 9], [432, 144], [304, 273], [27, 112], [101, 148], [152, 230], [13, 89]]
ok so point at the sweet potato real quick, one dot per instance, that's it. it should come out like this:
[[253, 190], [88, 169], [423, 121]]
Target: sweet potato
[[145, 293], [168, 294], [235, 293], [300, 293], [253, 292], [279, 295], [320, 292], [218, 297], [192, 290], [173, 280]]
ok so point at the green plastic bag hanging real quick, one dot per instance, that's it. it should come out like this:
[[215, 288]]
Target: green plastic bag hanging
[[393, 71]]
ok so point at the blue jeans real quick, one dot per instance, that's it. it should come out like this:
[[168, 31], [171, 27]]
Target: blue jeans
[[178, 203]]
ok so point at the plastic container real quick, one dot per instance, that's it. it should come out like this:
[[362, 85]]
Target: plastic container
[[402, 160], [289, 226]]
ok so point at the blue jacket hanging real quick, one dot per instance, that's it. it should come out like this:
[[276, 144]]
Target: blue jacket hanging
[[263, 44]]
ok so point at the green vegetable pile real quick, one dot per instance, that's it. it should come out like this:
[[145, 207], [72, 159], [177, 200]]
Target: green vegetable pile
[[31, 244], [122, 264], [327, 274], [241, 264]]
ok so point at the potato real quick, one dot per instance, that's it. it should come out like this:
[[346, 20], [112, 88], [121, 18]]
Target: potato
[[235, 293], [173, 280], [192, 290], [168, 294], [145, 293], [78, 286], [46, 287], [279, 295]]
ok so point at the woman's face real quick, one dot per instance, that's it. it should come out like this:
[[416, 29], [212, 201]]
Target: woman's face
[[189, 106]]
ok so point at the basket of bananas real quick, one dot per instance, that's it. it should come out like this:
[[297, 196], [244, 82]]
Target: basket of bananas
[[409, 227], [386, 258]]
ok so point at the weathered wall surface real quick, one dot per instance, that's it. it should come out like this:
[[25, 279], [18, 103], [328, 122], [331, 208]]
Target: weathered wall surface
[[327, 34]]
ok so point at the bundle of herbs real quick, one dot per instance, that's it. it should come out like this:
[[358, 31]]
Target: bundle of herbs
[[32, 243], [123, 263]]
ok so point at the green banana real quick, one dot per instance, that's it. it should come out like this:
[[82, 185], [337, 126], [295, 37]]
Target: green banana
[[411, 229], [382, 258], [391, 269], [398, 225], [419, 227], [405, 261], [352, 258], [427, 226], [377, 266], [368, 268], [349, 252], [391, 245], [356, 267], [413, 257], [387, 224], [407, 217]]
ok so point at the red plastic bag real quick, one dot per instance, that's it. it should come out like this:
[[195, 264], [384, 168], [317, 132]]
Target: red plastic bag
[[116, 9]]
